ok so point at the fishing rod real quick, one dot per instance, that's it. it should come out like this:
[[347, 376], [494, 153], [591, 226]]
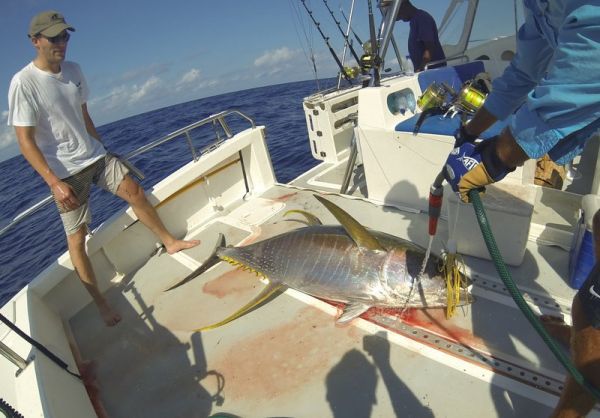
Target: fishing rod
[[20, 363], [326, 39], [374, 48], [354, 33], [345, 36]]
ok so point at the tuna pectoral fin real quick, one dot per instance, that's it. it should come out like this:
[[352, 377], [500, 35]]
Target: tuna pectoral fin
[[210, 262], [271, 291], [351, 311], [361, 236]]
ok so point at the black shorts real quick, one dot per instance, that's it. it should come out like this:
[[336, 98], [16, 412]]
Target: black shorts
[[589, 296]]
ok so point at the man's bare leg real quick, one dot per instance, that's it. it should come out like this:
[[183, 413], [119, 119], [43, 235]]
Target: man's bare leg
[[83, 267], [133, 194], [575, 401], [557, 327]]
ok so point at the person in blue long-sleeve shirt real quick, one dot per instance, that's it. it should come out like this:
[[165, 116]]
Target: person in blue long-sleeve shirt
[[550, 97], [423, 40]]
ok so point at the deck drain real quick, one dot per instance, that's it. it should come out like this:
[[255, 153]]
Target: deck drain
[[472, 355], [547, 302]]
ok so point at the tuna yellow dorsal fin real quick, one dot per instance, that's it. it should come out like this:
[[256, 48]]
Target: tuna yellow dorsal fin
[[272, 290], [311, 219], [361, 236]]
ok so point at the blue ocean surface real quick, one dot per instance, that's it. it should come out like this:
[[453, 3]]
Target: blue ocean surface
[[33, 244]]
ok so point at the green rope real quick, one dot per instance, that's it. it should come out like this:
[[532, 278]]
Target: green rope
[[505, 275]]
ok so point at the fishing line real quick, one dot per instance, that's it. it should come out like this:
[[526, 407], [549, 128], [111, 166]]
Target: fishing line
[[326, 40], [310, 57], [353, 32], [344, 35]]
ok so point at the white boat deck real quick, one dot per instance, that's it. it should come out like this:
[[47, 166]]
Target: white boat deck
[[288, 358]]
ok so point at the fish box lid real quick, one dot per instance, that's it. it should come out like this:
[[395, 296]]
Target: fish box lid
[[507, 197]]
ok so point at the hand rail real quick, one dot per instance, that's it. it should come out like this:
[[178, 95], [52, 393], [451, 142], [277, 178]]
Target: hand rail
[[218, 117], [455, 57]]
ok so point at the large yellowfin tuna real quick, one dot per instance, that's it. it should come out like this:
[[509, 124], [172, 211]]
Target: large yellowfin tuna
[[347, 263]]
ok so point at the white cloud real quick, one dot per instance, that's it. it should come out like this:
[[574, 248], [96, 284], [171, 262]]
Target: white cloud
[[276, 57], [128, 99], [192, 83], [189, 77], [149, 88]]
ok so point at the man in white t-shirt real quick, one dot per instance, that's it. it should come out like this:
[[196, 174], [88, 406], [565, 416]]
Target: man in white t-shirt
[[56, 135]]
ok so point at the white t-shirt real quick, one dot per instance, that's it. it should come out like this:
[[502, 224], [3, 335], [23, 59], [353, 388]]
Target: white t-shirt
[[52, 103]]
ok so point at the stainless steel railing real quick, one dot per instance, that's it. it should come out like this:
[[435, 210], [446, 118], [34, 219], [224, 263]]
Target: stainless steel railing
[[215, 119]]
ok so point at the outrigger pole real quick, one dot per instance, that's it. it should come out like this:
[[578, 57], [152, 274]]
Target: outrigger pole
[[339, 82], [326, 39], [346, 38]]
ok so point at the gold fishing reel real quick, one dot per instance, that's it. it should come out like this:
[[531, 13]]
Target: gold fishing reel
[[351, 72], [433, 96], [469, 99]]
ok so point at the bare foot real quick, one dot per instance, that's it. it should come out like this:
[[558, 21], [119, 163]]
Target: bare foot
[[179, 245], [110, 316], [557, 327]]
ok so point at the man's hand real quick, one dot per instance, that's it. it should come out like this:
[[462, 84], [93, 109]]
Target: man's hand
[[64, 195], [474, 166]]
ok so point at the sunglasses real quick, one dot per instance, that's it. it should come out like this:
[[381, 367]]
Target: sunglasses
[[64, 37]]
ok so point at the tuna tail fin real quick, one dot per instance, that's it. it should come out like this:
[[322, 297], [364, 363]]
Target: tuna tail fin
[[351, 311], [268, 293], [311, 220], [212, 260], [361, 236]]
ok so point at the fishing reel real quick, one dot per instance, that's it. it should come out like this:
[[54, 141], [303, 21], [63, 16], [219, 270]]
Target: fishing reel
[[440, 95], [368, 60], [469, 99], [442, 99], [434, 97], [351, 72]]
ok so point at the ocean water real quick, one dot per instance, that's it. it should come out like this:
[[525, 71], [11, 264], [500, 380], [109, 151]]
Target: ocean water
[[36, 242]]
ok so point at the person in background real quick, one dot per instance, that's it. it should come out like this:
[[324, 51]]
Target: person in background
[[56, 135], [423, 42], [552, 83]]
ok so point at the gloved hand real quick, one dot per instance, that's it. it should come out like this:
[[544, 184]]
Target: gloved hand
[[461, 136], [473, 166]]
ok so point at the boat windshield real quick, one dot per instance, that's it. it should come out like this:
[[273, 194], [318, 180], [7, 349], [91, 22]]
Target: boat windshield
[[469, 23]]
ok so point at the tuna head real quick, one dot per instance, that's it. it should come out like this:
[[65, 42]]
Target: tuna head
[[402, 279], [409, 285]]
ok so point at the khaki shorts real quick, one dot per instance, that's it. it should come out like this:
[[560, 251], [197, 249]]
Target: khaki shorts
[[107, 172]]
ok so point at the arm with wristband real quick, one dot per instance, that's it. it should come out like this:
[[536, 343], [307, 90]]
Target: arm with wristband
[[474, 163]]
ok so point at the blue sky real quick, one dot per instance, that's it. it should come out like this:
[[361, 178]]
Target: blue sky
[[140, 55]]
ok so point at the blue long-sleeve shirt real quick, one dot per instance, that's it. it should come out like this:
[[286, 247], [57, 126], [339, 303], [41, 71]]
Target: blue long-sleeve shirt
[[555, 76]]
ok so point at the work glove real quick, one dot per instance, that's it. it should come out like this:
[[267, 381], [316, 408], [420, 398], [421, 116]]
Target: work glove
[[474, 165]]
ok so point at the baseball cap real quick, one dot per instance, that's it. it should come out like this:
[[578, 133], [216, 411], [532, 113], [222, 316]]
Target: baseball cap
[[49, 23]]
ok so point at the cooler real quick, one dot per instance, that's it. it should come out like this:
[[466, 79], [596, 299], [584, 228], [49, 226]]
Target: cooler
[[582, 258], [508, 207]]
